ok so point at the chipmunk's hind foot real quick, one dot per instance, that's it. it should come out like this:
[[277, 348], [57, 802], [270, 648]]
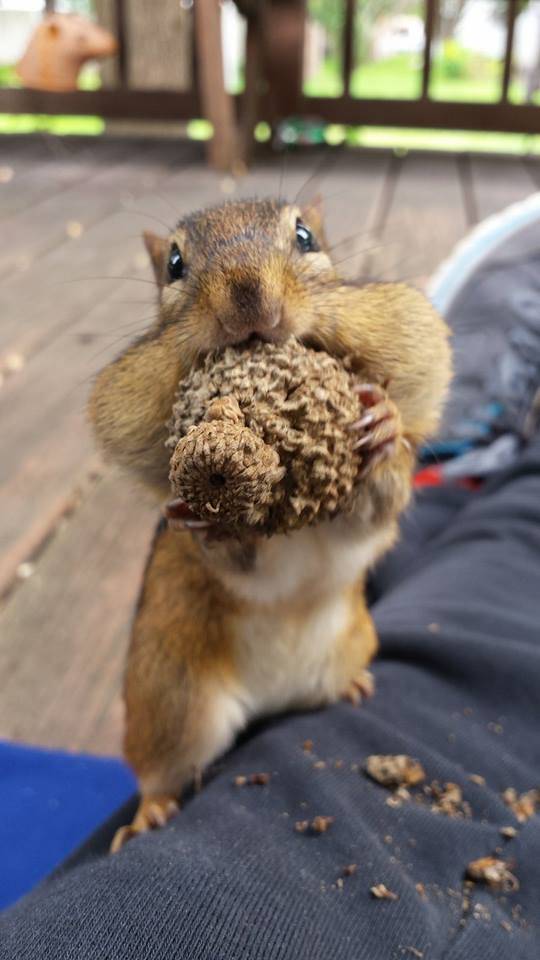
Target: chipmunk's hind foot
[[360, 688], [153, 812]]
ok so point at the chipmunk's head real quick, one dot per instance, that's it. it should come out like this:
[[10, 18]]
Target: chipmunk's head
[[247, 269]]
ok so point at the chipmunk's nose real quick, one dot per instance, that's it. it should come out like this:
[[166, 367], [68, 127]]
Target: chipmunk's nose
[[246, 296], [250, 311]]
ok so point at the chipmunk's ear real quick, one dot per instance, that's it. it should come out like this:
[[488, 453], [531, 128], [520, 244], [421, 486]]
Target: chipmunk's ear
[[313, 214], [157, 248]]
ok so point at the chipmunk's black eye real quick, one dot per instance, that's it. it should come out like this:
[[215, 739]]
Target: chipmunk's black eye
[[175, 264], [304, 237]]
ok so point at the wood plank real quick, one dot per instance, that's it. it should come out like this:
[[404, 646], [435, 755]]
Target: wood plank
[[426, 217], [217, 105], [71, 277], [45, 169], [64, 630], [498, 182], [98, 192]]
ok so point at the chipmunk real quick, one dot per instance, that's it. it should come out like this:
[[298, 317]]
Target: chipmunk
[[224, 631]]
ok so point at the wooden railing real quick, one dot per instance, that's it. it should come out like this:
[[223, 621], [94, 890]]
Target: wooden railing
[[275, 50]]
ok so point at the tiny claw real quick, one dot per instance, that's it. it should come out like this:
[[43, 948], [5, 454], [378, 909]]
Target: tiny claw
[[360, 387], [121, 837], [360, 688], [379, 455], [364, 421], [362, 442]]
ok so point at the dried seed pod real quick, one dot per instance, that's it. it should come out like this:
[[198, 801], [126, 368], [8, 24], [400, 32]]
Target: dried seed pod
[[261, 438]]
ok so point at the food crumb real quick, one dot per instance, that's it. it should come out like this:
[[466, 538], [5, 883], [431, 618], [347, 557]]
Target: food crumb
[[476, 778], [253, 779], [381, 892], [396, 770], [350, 869], [74, 229], [388, 838], [403, 793], [338, 764], [25, 570], [506, 925], [319, 765], [14, 362], [6, 174], [307, 746], [319, 824], [434, 627], [414, 951], [340, 883], [448, 800], [496, 873], [508, 832], [524, 805], [421, 890], [480, 912]]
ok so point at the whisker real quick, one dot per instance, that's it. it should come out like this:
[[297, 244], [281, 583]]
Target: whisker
[[328, 161], [150, 216]]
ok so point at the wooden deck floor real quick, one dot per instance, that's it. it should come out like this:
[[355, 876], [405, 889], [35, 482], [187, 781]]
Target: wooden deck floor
[[73, 535]]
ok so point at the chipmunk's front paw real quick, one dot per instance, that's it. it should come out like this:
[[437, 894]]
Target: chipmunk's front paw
[[360, 688], [153, 812], [379, 428]]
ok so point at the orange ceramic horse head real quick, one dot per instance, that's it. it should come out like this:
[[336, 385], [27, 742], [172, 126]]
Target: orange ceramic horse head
[[58, 48]]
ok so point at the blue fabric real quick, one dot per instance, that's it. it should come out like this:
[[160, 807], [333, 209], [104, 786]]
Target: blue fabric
[[50, 802]]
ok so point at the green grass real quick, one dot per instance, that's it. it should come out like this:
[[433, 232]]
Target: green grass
[[42, 123], [326, 82], [402, 139], [400, 78]]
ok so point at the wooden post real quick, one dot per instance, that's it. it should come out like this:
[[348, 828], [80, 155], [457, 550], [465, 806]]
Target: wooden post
[[121, 36], [507, 68], [217, 104], [282, 42], [348, 45], [429, 31], [250, 99]]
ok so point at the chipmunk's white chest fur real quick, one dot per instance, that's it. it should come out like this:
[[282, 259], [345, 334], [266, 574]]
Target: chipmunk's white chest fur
[[297, 607]]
